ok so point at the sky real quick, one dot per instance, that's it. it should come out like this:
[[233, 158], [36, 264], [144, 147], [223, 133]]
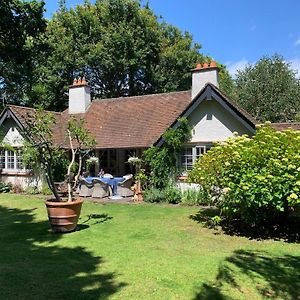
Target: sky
[[233, 32]]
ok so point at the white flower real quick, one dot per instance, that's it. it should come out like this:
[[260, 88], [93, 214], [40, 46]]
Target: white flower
[[134, 160], [226, 190]]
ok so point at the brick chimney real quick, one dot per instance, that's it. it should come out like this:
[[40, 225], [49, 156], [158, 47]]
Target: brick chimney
[[79, 96], [202, 74]]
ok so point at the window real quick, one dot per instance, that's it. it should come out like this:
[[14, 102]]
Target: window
[[19, 160], [190, 154], [187, 158], [2, 159], [11, 160]]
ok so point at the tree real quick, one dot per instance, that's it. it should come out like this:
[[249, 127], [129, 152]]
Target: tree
[[269, 90], [120, 47], [21, 25], [40, 151]]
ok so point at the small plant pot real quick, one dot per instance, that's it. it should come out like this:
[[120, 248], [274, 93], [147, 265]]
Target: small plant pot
[[63, 216]]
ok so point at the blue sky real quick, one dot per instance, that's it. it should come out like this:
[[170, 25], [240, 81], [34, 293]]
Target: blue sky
[[234, 32]]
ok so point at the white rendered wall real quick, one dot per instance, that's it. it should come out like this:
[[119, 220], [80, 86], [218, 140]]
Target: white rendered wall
[[211, 122], [201, 77], [11, 134], [23, 180], [79, 99]]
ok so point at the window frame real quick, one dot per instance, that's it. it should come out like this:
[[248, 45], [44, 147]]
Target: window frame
[[187, 166], [11, 160]]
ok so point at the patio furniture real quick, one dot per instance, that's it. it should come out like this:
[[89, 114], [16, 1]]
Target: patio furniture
[[124, 187], [86, 188], [107, 175], [100, 188]]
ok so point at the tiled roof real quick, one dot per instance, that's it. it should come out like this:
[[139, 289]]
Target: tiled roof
[[133, 122], [22, 112], [283, 126], [130, 122]]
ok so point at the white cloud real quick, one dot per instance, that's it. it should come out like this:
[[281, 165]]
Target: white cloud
[[297, 43], [233, 67], [295, 65]]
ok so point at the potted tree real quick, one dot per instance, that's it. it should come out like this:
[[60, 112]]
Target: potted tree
[[63, 213]]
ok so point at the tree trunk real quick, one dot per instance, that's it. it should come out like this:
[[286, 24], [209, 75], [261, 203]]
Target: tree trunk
[[69, 180]]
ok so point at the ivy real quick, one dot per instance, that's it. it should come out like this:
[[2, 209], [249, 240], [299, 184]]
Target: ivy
[[162, 161]]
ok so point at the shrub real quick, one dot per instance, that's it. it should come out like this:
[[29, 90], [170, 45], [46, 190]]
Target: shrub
[[153, 195], [172, 195], [196, 197], [255, 179], [31, 190], [162, 161], [45, 190], [5, 187], [17, 189], [169, 194]]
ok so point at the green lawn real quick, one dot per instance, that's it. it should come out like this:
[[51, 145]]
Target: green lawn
[[136, 252]]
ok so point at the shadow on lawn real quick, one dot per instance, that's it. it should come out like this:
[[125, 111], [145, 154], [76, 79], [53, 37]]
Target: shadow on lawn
[[33, 266], [272, 277], [100, 217], [287, 230]]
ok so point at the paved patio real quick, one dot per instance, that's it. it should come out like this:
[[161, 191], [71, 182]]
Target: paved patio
[[126, 200]]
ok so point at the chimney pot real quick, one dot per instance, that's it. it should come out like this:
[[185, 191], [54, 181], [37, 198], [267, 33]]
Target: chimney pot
[[204, 74], [213, 64], [79, 96]]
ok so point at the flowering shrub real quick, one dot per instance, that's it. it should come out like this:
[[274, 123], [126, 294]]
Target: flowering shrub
[[133, 160], [255, 179]]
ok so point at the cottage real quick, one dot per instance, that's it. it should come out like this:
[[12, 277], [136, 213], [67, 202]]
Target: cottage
[[126, 126]]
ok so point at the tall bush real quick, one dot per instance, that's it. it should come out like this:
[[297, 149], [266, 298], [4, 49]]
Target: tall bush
[[255, 179], [162, 161]]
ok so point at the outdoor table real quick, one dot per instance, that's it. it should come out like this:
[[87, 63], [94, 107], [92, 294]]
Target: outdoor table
[[113, 182]]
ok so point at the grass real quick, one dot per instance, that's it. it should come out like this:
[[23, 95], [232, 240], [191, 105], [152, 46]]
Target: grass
[[137, 252]]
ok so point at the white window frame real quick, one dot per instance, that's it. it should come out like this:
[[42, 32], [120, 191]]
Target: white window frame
[[195, 148], [12, 166]]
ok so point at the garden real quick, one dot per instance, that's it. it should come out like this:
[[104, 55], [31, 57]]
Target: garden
[[235, 237], [137, 251]]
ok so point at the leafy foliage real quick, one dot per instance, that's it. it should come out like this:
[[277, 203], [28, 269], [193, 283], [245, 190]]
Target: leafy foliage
[[196, 197], [21, 26], [39, 151], [5, 187], [163, 160], [41, 154], [169, 194], [269, 90], [153, 195], [255, 179], [119, 46]]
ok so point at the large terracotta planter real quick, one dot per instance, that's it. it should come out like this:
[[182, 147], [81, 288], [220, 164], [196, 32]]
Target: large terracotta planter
[[63, 216]]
